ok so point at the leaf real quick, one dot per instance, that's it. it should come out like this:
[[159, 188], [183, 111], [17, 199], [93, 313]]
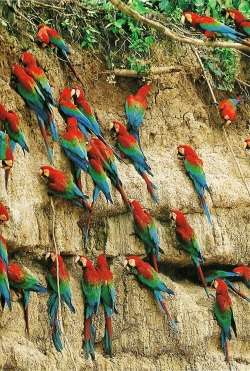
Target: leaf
[[119, 23]]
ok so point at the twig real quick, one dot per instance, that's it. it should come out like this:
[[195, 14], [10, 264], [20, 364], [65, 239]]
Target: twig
[[23, 16], [58, 284], [173, 36], [242, 82], [38, 3], [152, 71], [224, 130]]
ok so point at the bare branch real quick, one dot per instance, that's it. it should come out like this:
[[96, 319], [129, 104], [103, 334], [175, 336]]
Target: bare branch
[[173, 36], [151, 71]]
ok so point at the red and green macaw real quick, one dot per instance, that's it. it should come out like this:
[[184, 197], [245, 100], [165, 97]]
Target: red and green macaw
[[210, 26], [129, 146], [194, 167], [247, 144], [6, 155], [135, 108], [37, 73], [244, 271], [228, 108], [97, 148], [65, 294], [152, 279], [74, 144], [21, 278], [242, 24], [4, 215], [13, 128], [188, 241], [107, 299], [61, 185], [32, 95], [91, 286], [224, 276], [4, 282], [48, 36], [93, 126], [145, 229], [224, 314]]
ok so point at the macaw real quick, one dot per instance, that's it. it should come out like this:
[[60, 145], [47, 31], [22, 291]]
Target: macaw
[[4, 282], [61, 185], [4, 215], [91, 286], [37, 73], [6, 155], [107, 299], [210, 26], [245, 273], [224, 276], [65, 294], [242, 24], [50, 37], [84, 108], [246, 144], [152, 279], [188, 241], [13, 129], [32, 95], [74, 144], [22, 279], [135, 108], [228, 108], [96, 148], [224, 314], [129, 146], [145, 229], [194, 167]]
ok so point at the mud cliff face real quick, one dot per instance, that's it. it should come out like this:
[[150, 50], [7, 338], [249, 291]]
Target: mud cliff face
[[178, 113]]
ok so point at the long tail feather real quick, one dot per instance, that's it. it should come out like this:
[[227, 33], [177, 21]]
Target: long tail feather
[[154, 260], [88, 226], [124, 196], [45, 139], [108, 335], [169, 316], [112, 149], [205, 207], [237, 291], [52, 124], [150, 187], [204, 283], [73, 68], [7, 175], [88, 330]]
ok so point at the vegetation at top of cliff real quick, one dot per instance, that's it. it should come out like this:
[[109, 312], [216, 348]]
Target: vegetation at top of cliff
[[124, 42]]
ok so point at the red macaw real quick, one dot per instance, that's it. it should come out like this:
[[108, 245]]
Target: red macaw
[[145, 229], [188, 241], [244, 271], [4, 282], [107, 299], [210, 26], [48, 36], [61, 185], [135, 108], [91, 286], [32, 95], [37, 73], [152, 279], [4, 215], [74, 144], [242, 24], [194, 167], [13, 129], [65, 294], [129, 146], [22, 279], [228, 108], [6, 155], [224, 314]]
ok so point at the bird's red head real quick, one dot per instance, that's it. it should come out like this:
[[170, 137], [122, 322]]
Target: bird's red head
[[83, 261], [77, 93], [133, 262], [71, 122], [101, 261], [52, 255], [246, 144], [220, 286], [65, 94], [4, 216], [3, 113], [183, 151], [27, 59], [41, 25], [118, 127], [144, 90], [190, 17], [46, 171], [244, 270], [17, 70], [235, 15], [178, 217], [136, 206]]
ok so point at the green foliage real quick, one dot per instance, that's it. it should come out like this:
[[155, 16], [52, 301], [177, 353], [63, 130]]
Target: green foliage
[[222, 65]]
